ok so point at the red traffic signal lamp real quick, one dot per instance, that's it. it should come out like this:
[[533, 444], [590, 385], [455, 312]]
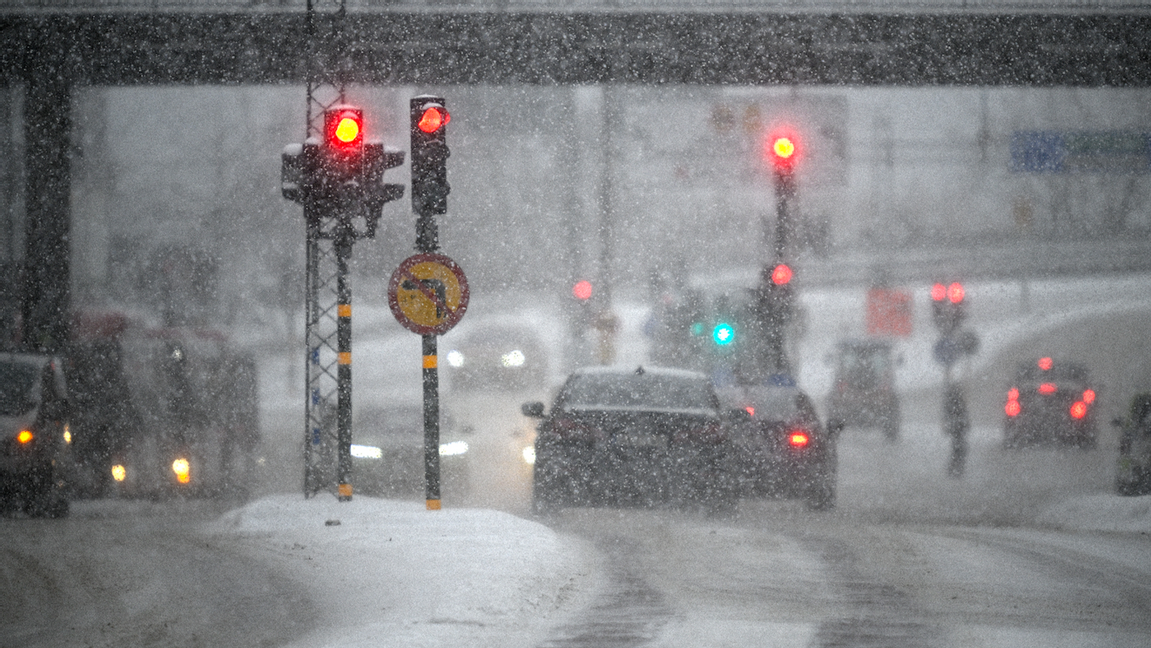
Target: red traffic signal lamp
[[781, 274], [783, 150], [582, 290], [429, 124], [344, 129], [947, 305]]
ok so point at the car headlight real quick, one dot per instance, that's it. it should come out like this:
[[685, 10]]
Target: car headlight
[[513, 358], [453, 448], [366, 452], [455, 358], [530, 455]]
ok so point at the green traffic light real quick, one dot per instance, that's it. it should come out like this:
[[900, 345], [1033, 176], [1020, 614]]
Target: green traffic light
[[697, 328], [723, 334]]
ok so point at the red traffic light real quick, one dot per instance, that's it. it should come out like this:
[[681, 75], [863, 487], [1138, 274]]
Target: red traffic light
[[582, 290], [953, 293], [782, 149], [781, 275], [432, 119], [344, 128]]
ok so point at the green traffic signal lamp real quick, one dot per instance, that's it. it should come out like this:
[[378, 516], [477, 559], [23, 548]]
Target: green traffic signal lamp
[[723, 334]]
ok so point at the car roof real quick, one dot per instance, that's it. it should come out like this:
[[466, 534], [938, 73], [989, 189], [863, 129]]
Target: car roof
[[632, 370]]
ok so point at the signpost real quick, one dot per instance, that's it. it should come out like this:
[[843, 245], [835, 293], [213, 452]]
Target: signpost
[[428, 295]]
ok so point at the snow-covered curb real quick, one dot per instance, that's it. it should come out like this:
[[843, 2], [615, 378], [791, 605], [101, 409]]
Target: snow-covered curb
[[1100, 513], [389, 572]]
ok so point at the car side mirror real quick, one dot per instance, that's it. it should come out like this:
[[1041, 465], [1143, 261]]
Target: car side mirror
[[534, 409]]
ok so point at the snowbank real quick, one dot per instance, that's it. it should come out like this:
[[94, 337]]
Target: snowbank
[[1100, 513], [386, 572]]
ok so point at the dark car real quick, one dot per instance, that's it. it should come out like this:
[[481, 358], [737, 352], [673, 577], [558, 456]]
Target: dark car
[[863, 391], [34, 435], [496, 356], [1133, 472], [1050, 403], [638, 436], [781, 448]]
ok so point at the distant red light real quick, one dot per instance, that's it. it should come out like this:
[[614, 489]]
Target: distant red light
[[798, 439], [1089, 396], [1045, 364], [781, 275], [955, 293], [1013, 394], [1078, 410], [582, 290], [1012, 408], [1048, 388], [750, 410], [938, 292]]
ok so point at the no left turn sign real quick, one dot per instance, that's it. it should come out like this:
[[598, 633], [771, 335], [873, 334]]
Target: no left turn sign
[[428, 294]]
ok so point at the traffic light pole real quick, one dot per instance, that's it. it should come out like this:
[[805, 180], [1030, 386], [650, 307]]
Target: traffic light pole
[[427, 241]]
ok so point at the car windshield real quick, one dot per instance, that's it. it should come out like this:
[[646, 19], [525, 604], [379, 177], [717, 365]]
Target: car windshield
[[17, 380], [637, 391]]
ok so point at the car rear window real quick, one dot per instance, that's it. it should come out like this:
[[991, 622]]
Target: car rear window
[[640, 391]]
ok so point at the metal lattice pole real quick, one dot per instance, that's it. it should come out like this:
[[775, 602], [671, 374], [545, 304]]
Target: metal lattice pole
[[323, 375]]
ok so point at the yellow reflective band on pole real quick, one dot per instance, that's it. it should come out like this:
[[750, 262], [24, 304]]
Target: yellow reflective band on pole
[[345, 490], [345, 357], [344, 310], [433, 505], [430, 362]]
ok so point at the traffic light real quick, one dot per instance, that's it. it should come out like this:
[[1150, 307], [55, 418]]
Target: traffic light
[[429, 122], [582, 290], [343, 173], [782, 150], [947, 306], [723, 334]]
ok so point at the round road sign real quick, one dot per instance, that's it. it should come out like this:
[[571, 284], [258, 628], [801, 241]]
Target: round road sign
[[428, 294]]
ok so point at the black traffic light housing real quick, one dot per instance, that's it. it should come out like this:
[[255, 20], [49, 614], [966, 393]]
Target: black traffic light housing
[[948, 308], [430, 188], [343, 173]]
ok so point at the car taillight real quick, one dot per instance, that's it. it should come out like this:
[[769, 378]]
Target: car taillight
[[1078, 410], [1012, 407], [798, 439], [1048, 388], [573, 430]]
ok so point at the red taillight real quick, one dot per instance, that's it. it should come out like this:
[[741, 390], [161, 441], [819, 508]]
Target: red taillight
[[1048, 388], [798, 439], [1089, 396], [1078, 410], [1012, 394], [750, 410], [1012, 408]]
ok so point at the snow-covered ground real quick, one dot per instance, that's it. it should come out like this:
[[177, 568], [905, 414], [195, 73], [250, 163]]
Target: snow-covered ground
[[392, 573]]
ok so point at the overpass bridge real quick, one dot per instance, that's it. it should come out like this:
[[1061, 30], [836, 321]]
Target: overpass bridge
[[51, 47]]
